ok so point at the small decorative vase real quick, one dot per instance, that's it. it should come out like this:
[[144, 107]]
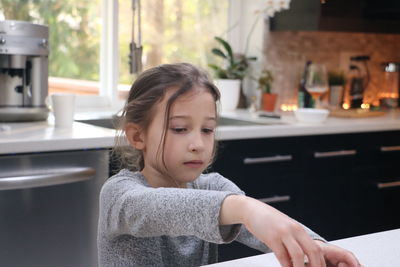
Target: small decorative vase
[[269, 101], [230, 92], [336, 93]]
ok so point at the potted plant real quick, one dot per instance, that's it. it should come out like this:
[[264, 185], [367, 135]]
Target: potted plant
[[336, 81], [230, 75], [268, 99]]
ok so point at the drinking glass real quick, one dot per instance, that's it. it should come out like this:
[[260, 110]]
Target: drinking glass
[[316, 82]]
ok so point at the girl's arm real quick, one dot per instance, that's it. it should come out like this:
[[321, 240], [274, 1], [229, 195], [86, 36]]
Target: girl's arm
[[287, 238], [127, 207]]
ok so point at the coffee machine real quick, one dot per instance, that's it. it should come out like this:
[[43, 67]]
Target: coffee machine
[[23, 71]]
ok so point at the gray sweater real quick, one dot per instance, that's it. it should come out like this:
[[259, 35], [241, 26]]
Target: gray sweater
[[144, 226]]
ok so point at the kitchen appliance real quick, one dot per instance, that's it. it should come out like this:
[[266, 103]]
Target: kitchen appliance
[[389, 95], [23, 71], [49, 208], [359, 78]]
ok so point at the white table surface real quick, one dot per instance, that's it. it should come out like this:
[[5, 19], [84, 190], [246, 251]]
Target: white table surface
[[374, 250]]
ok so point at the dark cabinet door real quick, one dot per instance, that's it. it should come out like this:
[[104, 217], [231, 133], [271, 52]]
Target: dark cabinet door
[[330, 202], [379, 183], [265, 169]]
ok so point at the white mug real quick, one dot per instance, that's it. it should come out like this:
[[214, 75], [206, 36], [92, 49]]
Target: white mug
[[63, 107]]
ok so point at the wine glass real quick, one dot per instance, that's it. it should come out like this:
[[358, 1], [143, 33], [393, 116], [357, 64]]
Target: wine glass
[[316, 82]]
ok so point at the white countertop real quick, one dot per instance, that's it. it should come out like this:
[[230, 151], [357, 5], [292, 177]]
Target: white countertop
[[42, 136], [374, 250], [291, 127]]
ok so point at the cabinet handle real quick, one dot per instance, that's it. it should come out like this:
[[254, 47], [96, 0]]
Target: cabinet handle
[[335, 153], [388, 185], [276, 158], [389, 148], [47, 178], [275, 199]]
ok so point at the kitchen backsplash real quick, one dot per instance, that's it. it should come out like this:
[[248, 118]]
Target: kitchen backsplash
[[332, 48]]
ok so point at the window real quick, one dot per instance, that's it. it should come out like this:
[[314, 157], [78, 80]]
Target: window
[[74, 39], [83, 37], [172, 31]]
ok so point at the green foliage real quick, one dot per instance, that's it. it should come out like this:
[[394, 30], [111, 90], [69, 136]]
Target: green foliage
[[336, 78], [235, 66], [74, 36], [265, 81], [175, 31]]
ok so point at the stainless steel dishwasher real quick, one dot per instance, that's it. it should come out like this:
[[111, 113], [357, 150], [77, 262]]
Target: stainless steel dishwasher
[[49, 208]]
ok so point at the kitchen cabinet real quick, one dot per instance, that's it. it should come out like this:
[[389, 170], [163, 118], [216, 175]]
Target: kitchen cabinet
[[380, 181], [328, 161], [266, 169], [339, 185], [340, 15]]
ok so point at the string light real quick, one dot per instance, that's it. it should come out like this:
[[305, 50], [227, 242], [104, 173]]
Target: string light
[[345, 106], [288, 107]]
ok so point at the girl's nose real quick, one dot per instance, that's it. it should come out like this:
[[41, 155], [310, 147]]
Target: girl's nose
[[196, 144]]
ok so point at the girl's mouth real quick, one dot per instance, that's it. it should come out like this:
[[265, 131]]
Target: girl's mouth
[[193, 163]]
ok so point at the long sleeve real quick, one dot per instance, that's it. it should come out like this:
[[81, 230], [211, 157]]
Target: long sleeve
[[144, 226], [141, 211]]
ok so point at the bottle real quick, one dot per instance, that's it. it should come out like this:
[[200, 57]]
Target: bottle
[[356, 87], [304, 99]]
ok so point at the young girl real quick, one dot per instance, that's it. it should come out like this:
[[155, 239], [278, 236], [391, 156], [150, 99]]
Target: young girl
[[162, 211]]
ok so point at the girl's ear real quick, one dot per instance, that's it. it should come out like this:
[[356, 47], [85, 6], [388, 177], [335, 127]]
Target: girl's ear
[[135, 135]]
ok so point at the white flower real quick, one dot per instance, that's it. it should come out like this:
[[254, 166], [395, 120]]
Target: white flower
[[273, 6]]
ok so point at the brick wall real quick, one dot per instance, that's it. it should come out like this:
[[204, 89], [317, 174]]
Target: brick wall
[[285, 51]]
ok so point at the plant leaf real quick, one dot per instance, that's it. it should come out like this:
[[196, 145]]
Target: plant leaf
[[218, 52], [227, 47], [220, 73]]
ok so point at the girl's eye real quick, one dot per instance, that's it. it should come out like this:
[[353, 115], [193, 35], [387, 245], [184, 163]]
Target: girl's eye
[[208, 130], [178, 130]]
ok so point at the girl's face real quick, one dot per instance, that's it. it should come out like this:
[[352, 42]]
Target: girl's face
[[189, 139]]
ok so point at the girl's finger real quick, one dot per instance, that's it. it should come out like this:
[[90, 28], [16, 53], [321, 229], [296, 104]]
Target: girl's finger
[[312, 250], [295, 251], [322, 259], [282, 255]]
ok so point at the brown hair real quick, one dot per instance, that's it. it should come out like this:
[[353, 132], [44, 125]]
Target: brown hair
[[149, 89]]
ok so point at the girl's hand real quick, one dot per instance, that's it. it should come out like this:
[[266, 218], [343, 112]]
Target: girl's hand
[[286, 237], [338, 257]]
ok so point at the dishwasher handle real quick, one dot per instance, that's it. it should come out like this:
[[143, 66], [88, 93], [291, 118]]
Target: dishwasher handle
[[47, 178]]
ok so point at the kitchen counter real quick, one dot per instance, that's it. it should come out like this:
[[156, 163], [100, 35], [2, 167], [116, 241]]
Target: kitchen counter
[[42, 136], [289, 126], [374, 250]]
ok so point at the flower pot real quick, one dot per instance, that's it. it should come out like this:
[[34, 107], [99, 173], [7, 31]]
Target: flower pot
[[230, 92], [269, 101]]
